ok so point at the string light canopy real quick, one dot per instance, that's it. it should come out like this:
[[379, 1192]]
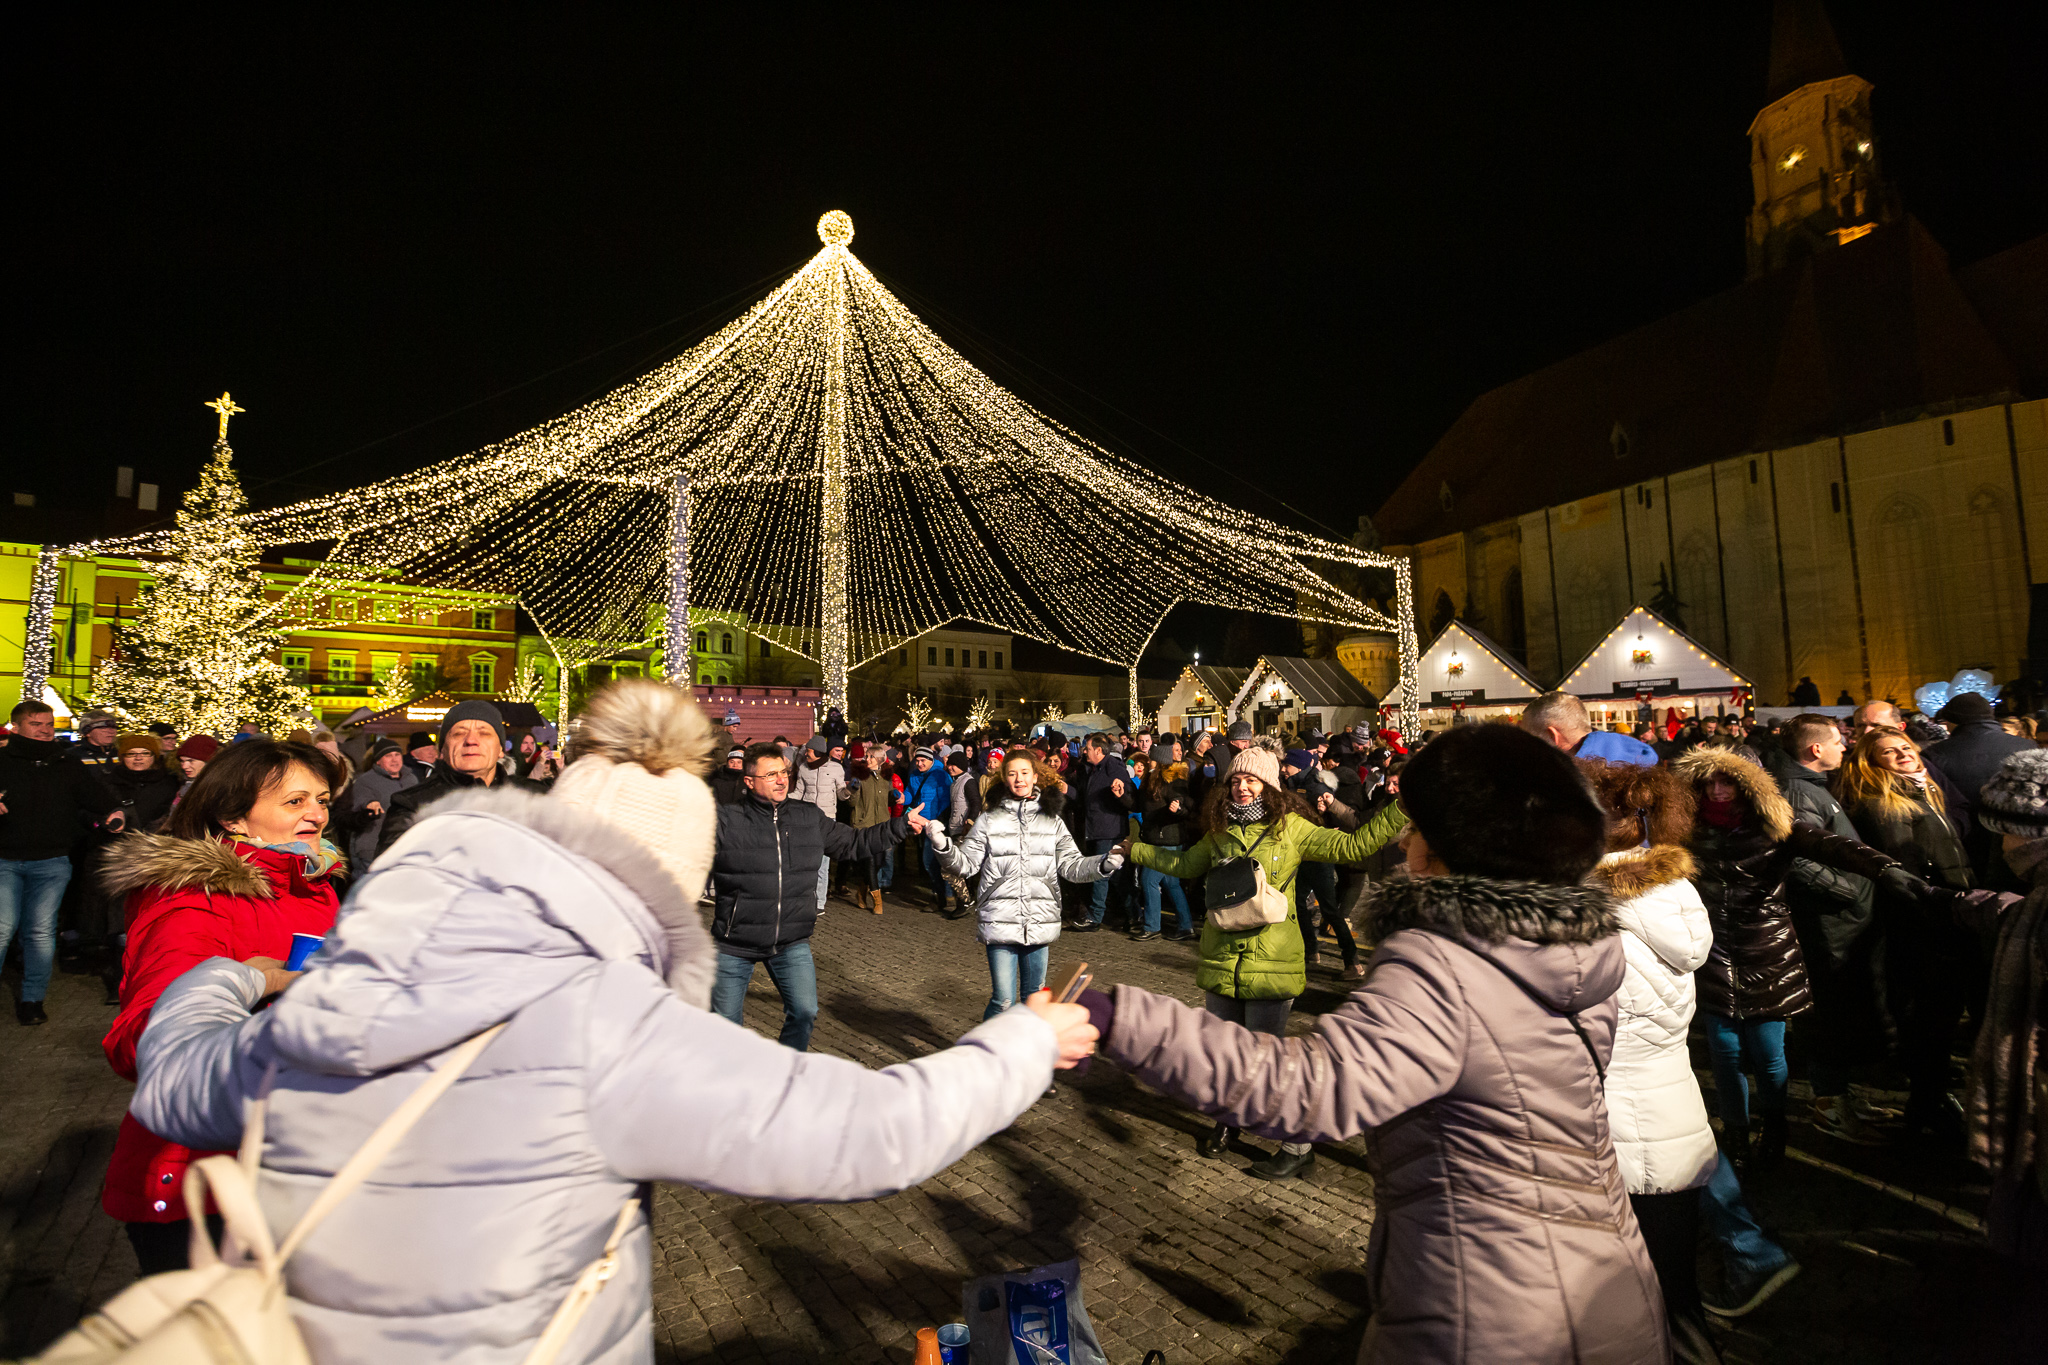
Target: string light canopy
[[828, 467]]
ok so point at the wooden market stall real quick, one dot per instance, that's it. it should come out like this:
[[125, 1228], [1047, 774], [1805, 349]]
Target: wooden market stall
[[1464, 676], [1286, 693], [1647, 668], [1201, 698]]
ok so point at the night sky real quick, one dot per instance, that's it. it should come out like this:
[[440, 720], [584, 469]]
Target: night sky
[[1272, 259]]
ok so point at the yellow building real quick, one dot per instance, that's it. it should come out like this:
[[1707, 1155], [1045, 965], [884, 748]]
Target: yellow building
[[1836, 470]]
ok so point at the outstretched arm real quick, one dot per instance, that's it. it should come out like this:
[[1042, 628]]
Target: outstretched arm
[[1076, 866], [191, 1080], [1320, 845]]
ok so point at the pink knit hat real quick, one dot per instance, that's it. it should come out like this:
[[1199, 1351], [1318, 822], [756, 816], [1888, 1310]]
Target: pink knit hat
[[1260, 763]]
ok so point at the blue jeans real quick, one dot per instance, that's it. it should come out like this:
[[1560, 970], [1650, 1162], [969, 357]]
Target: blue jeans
[[882, 870], [30, 893], [1098, 892], [1762, 1043], [933, 874], [1014, 972], [795, 974], [1150, 880], [1744, 1246]]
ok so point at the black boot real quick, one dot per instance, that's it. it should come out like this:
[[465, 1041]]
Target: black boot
[[1284, 1165], [1218, 1143], [1770, 1144]]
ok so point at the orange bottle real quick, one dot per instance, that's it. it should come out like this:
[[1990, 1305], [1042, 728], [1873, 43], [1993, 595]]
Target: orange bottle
[[927, 1347]]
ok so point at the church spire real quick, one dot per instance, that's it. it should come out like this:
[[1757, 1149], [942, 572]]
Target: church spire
[[1813, 150]]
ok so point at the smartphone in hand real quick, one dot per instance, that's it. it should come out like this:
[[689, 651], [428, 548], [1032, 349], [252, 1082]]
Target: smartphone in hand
[[1076, 982]]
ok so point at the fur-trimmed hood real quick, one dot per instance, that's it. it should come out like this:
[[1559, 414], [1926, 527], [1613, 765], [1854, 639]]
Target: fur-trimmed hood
[[1560, 942], [169, 864], [1773, 811], [1638, 871], [1050, 799], [496, 897]]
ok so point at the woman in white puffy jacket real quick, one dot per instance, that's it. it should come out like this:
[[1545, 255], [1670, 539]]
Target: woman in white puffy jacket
[[1020, 848], [1662, 1139]]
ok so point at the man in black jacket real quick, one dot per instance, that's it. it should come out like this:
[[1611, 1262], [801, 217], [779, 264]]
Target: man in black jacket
[[1104, 795], [764, 878], [47, 800], [472, 743], [726, 783], [1971, 755]]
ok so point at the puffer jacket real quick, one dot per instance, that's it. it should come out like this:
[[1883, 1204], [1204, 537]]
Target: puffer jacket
[[824, 785], [1840, 905], [1020, 850], [1266, 963], [1661, 1134], [1503, 1231], [764, 877], [406, 806], [189, 900], [505, 907], [1923, 839], [1756, 969]]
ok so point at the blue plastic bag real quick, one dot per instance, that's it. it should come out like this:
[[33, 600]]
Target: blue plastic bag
[[1030, 1317]]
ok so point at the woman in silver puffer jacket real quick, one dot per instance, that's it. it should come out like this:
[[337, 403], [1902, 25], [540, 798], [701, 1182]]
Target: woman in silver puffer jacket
[[1020, 848]]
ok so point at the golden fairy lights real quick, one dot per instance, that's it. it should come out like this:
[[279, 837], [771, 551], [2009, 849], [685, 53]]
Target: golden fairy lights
[[853, 483]]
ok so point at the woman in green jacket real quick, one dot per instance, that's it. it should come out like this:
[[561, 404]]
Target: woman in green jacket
[[1251, 977]]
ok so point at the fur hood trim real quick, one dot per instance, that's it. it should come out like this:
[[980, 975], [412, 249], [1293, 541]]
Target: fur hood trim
[[141, 860], [659, 727], [1773, 811], [1639, 871], [691, 959], [1051, 800], [1490, 910]]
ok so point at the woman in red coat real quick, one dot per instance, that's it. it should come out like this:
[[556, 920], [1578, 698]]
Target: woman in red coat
[[241, 869]]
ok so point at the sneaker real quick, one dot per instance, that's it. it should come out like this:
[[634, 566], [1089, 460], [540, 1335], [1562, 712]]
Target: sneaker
[[30, 1012], [1841, 1120], [1745, 1293], [1144, 935], [1086, 926], [1356, 969], [1181, 935]]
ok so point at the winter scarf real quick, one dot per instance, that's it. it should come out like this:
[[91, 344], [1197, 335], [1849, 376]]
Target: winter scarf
[[1250, 813], [316, 861], [2005, 1064]]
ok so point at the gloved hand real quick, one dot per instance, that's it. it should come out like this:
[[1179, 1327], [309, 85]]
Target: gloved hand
[[1101, 1011], [1899, 882]]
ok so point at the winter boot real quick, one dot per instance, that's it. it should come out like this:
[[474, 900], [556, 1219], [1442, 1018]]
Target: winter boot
[[1770, 1144]]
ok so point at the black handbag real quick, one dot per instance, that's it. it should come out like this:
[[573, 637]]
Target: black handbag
[[1237, 895]]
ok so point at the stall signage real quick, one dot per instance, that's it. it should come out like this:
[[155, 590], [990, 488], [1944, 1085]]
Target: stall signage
[[426, 713], [1656, 687], [1200, 709], [1462, 695]]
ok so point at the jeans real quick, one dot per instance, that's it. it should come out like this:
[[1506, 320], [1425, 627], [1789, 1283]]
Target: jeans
[[795, 974], [1762, 1042], [30, 893], [1260, 1016], [1744, 1247], [1098, 892], [1150, 880], [882, 870], [1014, 972], [934, 874]]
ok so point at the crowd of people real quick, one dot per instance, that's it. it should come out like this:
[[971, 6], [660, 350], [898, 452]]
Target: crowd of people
[[1533, 920]]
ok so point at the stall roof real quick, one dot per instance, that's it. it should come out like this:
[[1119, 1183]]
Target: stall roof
[[1315, 682], [1487, 674], [1221, 684], [1647, 652]]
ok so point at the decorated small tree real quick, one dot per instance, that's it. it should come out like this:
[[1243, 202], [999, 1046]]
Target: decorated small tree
[[394, 688], [199, 653], [918, 714], [1054, 713], [980, 716]]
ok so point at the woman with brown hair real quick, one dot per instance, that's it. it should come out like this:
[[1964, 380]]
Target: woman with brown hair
[[241, 869], [1898, 809]]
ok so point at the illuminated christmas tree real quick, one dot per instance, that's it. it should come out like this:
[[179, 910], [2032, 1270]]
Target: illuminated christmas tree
[[199, 652], [394, 688]]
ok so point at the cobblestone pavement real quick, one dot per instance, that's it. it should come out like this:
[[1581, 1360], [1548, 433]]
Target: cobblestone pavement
[[1188, 1255]]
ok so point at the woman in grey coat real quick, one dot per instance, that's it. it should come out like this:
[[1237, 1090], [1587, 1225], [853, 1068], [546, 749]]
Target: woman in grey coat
[[571, 918], [1020, 848]]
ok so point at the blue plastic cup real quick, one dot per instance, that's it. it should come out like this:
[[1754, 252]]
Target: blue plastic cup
[[303, 947], [953, 1343]]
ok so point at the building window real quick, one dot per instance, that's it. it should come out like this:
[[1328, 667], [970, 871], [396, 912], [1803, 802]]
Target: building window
[[999, 660], [705, 679], [804, 682], [703, 641], [999, 700], [1948, 432], [298, 663], [902, 656], [807, 646], [1752, 471], [482, 671], [341, 667], [764, 649], [721, 680], [983, 656], [725, 643], [484, 620], [931, 656], [949, 658], [425, 672]]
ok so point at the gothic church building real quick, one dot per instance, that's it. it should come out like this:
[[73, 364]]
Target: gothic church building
[[1836, 470]]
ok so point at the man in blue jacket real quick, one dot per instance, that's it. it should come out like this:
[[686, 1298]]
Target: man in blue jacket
[[1560, 718], [1102, 787], [928, 791]]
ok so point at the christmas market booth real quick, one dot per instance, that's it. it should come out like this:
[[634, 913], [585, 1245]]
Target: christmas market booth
[[1285, 693], [1464, 676], [1647, 669], [758, 714], [1201, 698]]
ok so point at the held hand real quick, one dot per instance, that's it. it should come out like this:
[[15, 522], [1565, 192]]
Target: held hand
[[1077, 1035], [375, 808], [1116, 787], [118, 821], [1173, 806], [1323, 802], [275, 977], [1123, 850], [917, 820]]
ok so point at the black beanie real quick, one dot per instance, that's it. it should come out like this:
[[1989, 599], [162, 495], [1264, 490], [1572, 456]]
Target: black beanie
[[1495, 801]]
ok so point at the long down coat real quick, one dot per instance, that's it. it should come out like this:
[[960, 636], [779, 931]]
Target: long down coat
[[1502, 1231], [1020, 850]]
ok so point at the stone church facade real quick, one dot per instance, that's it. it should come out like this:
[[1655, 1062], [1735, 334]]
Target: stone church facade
[[1836, 470]]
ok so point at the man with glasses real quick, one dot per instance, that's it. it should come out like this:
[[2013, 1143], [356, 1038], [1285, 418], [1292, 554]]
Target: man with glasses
[[764, 880]]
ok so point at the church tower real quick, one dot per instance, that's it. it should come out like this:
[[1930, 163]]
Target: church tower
[[1813, 152]]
